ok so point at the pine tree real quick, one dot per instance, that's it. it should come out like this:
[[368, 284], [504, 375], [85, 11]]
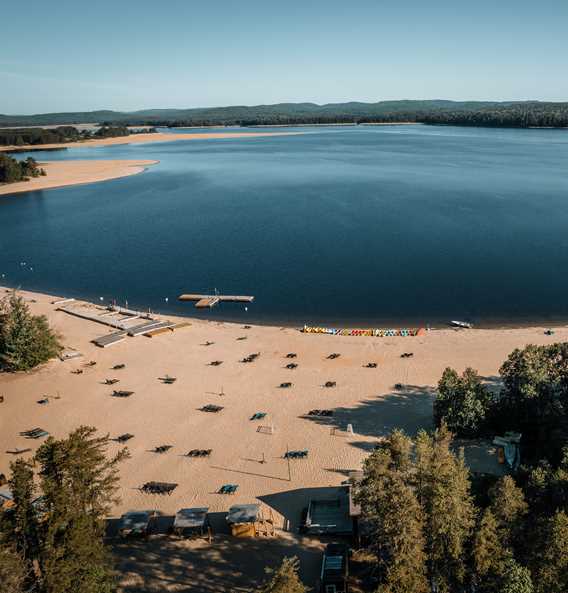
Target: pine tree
[[13, 572], [516, 579], [79, 486], [444, 492], [284, 579], [509, 509], [23, 528], [489, 555], [26, 340], [390, 508], [553, 570]]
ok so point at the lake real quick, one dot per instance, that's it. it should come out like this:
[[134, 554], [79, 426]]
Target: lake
[[356, 226]]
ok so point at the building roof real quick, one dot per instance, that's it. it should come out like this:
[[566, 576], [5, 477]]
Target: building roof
[[191, 518], [243, 513]]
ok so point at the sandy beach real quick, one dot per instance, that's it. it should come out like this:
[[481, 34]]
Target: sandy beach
[[160, 414], [152, 137], [62, 173]]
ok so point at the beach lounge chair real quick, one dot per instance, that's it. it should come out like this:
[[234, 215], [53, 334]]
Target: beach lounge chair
[[91, 363], [330, 384], [117, 367], [122, 393], [122, 438], [333, 356], [258, 416], [215, 363], [398, 386], [162, 448], [407, 355], [549, 332], [292, 365], [208, 343], [246, 326], [43, 401], [228, 488], [291, 355], [199, 453], [322, 413], [167, 380], [17, 451], [296, 454], [241, 338], [158, 488], [286, 385], [36, 433], [371, 365], [77, 372], [211, 408], [111, 381]]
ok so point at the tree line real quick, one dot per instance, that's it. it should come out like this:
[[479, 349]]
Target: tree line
[[12, 170], [21, 137], [435, 527]]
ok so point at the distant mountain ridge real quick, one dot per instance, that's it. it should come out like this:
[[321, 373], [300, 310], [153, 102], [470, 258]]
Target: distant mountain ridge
[[353, 108], [504, 113]]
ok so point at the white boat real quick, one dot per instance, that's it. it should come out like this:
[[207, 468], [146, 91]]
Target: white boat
[[463, 324]]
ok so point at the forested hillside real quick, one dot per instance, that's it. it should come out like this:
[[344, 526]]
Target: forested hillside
[[472, 113]]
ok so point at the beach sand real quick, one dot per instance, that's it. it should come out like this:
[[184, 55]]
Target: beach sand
[[62, 173], [152, 137], [159, 414]]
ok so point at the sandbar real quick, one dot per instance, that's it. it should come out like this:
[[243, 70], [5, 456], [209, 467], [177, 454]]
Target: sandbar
[[63, 173]]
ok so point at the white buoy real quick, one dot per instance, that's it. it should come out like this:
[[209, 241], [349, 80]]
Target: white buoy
[[166, 299], [101, 299], [246, 308]]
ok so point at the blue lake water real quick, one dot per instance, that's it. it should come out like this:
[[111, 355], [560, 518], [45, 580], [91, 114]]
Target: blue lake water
[[356, 226]]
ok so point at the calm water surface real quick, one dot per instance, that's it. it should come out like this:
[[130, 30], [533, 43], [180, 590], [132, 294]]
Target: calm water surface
[[356, 226]]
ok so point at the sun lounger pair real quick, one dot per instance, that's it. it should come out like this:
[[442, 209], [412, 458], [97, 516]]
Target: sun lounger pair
[[17, 451], [258, 416], [330, 384], [117, 367], [158, 488], [296, 454], [162, 448], [215, 363], [122, 393], [251, 357], [167, 380], [285, 385], [43, 401], [371, 365], [124, 437], [77, 372], [292, 365], [407, 355], [291, 355], [228, 488], [333, 356], [35, 433], [199, 453], [211, 408], [320, 413], [111, 381]]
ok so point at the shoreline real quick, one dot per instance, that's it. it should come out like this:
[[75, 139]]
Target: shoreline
[[150, 137], [158, 414], [67, 173], [285, 324]]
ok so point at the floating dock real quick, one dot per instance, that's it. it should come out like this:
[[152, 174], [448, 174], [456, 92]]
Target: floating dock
[[203, 301]]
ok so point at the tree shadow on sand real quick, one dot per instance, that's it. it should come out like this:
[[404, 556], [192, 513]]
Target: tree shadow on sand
[[409, 409]]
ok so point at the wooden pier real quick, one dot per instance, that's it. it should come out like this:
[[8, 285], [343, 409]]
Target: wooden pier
[[202, 301]]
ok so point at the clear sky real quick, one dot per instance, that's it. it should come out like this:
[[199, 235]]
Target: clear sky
[[134, 54]]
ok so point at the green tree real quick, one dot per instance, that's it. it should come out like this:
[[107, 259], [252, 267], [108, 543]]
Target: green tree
[[284, 579], [509, 508], [516, 579], [79, 486], [552, 574], [391, 509], [443, 488], [489, 554], [13, 572], [461, 402], [26, 340]]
